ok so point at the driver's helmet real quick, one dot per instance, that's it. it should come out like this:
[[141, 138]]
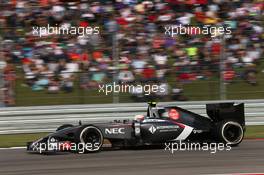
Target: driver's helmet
[[139, 117]]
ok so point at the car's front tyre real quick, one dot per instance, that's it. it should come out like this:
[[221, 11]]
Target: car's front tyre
[[91, 139]]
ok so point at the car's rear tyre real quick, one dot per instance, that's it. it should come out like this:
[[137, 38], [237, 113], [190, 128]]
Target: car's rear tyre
[[64, 126], [230, 132], [92, 138]]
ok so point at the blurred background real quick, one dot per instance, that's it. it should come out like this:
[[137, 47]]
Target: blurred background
[[131, 48]]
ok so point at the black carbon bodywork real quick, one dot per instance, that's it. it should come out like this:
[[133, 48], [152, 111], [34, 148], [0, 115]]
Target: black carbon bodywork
[[156, 127]]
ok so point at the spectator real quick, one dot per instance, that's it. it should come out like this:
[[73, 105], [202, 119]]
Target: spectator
[[51, 61], [149, 74], [126, 76]]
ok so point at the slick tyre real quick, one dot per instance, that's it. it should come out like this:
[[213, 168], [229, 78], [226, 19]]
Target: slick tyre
[[229, 132], [91, 138]]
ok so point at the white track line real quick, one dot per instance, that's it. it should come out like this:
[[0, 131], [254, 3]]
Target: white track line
[[22, 147]]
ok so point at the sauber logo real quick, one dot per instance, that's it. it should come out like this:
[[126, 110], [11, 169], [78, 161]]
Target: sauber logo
[[152, 129], [197, 131], [114, 130]]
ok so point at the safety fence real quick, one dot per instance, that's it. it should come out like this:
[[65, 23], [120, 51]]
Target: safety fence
[[48, 118]]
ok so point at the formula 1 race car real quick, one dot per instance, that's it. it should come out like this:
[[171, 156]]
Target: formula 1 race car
[[225, 123]]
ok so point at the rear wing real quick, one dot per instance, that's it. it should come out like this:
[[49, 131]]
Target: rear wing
[[222, 111]]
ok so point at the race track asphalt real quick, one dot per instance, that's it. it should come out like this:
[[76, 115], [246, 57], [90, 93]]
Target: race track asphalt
[[247, 158]]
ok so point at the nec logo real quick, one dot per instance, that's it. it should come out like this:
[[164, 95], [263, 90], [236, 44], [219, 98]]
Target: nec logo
[[114, 131]]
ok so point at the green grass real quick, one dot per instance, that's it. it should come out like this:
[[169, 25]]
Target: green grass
[[254, 132], [196, 90], [11, 140], [26, 97]]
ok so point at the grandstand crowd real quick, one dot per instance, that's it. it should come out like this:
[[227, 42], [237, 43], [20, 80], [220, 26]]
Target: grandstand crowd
[[136, 28]]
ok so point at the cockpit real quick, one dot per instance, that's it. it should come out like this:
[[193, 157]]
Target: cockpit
[[153, 112]]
